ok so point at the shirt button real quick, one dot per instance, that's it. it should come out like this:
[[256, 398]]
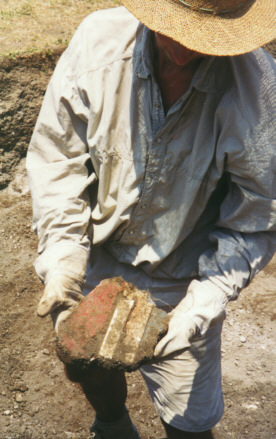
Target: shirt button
[[131, 232], [158, 140], [143, 206], [151, 175]]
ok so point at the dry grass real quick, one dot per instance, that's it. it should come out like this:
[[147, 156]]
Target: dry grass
[[28, 26]]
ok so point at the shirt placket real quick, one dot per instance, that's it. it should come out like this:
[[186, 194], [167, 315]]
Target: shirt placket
[[155, 156]]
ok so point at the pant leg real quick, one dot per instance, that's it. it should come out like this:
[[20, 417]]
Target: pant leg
[[186, 390]]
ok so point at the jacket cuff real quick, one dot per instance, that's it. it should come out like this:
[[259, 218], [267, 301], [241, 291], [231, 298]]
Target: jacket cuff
[[48, 263]]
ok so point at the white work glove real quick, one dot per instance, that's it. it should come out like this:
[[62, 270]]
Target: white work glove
[[63, 290], [201, 308], [181, 330]]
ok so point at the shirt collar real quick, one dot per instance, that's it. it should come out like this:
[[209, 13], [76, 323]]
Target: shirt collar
[[145, 66], [203, 80]]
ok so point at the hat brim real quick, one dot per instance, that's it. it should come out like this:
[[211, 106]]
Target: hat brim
[[220, 35]]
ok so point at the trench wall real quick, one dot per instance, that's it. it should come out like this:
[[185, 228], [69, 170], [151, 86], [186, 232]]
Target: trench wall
[[23, 82]]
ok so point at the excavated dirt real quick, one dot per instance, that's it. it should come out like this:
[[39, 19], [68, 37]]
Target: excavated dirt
[[22, 86], [36, 400]]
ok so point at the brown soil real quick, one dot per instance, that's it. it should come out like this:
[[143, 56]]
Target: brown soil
[[22, 85], [36, 400]]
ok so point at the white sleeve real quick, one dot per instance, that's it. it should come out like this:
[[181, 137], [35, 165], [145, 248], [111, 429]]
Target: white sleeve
[[60, 170]]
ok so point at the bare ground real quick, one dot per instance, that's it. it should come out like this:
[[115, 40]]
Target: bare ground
[[30, 26], [36, 400]]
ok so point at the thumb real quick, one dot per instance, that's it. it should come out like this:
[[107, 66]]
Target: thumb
[[164, 347], [158, 349], [59, 315], [178, 338], [48, 303]]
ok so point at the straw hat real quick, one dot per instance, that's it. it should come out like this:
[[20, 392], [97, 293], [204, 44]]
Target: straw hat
[[213, 27]]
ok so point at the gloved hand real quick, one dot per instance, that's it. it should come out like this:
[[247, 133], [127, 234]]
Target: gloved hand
[[181, 331], [202, 307], [63, 291]]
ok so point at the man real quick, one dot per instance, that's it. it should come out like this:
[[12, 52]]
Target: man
[[152, 159]]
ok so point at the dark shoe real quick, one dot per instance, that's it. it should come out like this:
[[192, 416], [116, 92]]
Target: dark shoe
[[121, 429]]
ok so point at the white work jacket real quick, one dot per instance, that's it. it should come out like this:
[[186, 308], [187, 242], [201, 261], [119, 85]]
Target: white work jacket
[[189, 194]]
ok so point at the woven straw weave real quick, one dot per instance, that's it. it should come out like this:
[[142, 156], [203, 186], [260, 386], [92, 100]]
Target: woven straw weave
[[271, 48], [250, 24]]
